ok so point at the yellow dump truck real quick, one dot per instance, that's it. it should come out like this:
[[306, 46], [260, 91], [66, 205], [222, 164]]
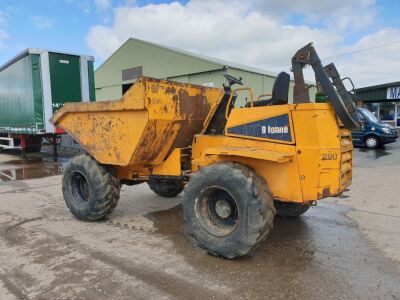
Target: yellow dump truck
[[239, 165]]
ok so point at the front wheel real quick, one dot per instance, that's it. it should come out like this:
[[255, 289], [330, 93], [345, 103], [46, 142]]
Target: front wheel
[[228, 209], [371, 142], [91, 190]]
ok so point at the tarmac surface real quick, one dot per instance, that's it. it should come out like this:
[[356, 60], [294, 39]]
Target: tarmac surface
[[343, 248]]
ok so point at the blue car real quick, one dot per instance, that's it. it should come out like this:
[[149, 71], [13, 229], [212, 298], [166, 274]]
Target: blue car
[[373, 133]]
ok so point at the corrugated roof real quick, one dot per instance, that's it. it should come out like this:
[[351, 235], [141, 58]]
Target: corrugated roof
[[220, 62], [36, 51], [379, 86]]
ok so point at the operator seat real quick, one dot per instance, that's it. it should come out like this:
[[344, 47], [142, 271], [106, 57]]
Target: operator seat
[[280, 92]]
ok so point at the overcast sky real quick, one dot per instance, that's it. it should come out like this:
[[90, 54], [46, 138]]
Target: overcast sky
[[259, 33]]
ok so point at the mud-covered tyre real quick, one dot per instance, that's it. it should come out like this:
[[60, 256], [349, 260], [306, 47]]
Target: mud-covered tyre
[[227, 209], [290, 209], [91, 190], [166, 188]]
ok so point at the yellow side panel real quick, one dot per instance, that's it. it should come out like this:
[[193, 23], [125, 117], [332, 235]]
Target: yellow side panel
[[250, 153], [318, 151], [282, 178], [320, 160], [171, 166]]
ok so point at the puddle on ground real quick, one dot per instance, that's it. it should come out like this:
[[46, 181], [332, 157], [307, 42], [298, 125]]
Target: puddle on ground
[[31, 168], [318, 255], [168, 221], [374, 153]]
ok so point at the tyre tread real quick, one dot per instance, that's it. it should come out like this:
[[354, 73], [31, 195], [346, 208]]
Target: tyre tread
[[260, 224], [106, 191]]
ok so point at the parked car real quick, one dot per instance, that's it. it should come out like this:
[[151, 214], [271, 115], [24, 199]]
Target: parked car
[[373, 133]]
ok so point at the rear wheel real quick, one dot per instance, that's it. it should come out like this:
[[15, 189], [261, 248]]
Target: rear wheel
[[166, 188], [290, 209], [91, 190], [228, 209], [371, 142]]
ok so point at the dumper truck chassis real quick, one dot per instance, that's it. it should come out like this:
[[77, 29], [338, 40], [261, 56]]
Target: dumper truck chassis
[[239, 166]]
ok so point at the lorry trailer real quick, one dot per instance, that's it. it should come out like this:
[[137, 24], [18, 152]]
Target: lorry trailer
[[33, 86]]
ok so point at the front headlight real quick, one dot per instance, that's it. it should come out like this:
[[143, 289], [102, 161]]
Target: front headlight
[[386, 130]]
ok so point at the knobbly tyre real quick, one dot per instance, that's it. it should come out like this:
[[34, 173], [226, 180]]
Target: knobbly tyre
[[239, 166]]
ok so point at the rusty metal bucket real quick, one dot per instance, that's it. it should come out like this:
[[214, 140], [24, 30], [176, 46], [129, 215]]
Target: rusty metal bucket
[[152, 119]]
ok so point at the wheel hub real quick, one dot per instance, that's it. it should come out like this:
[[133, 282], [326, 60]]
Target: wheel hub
[[80, 188], [217, 211], [371, 142], [223, 209]]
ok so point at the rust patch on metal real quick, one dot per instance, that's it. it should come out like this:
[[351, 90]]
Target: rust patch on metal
[[152, 144], [176, 113], [185, 134], [155, 88], [170, 90], [193, 106]]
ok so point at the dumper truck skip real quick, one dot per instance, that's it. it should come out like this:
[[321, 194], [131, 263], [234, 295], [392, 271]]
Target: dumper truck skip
[[239, 165]]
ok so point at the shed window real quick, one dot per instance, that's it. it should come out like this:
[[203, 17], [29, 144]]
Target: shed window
[[132, 73]]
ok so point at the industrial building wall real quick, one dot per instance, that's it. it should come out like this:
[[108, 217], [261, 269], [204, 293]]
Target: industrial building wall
[[159, 62], [109, 93], [259, 83], [155, 61]]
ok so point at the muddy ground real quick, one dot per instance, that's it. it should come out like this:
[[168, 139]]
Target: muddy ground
[[342, 248]]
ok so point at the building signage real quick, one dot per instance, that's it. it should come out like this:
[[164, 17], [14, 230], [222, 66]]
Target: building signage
[[393, 92]]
